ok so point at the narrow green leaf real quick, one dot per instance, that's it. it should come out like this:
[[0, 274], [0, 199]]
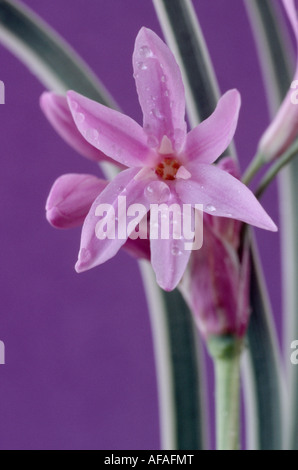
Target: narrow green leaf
[[184, 36], [265, 364], [179, 368], [46, 54], [183, 33], [176, 345], [274, 47]]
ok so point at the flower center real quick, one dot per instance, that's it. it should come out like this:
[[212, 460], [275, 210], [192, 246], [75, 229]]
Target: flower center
[[168, 168]]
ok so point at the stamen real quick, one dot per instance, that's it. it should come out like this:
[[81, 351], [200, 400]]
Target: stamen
[[166, 147], [168, 168]]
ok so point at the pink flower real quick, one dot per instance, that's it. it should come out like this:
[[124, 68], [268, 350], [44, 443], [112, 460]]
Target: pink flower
[[165, 164], [216, 284], [56, 110], [284, 128], [70, 200]]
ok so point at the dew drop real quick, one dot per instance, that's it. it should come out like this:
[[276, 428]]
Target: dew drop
[[210, 208], [163, 78], [176, 251], [152, 141], [179, 137], [92, 134], [157, 114], [166, 93], [142, 66], [146, 52], [74, 106], [157, 192], [80, 117]]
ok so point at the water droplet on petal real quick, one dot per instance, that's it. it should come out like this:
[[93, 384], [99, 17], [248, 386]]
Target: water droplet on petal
[[179, 136], [92, 134], [80, 117], [166, 93], [158, 114], [210, 208], [142, 66], [146, 52], [163, 78], [152, 141], [157, 192], [176, 251], [74, 105]]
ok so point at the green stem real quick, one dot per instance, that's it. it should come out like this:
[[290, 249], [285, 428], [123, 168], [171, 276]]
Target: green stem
[[255, 165], [282, 161], [226, 353]]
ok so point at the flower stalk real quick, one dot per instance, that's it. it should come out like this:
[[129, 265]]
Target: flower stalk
[[255, 165], [226, 354]]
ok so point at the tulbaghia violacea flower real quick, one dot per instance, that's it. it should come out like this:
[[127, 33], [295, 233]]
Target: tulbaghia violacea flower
[[216, 284], [57, 111], [165, 164], [284, 128], [70, 200]]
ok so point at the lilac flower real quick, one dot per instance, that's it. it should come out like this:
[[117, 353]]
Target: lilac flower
[[216, 284], [165, 164], [284, 128]]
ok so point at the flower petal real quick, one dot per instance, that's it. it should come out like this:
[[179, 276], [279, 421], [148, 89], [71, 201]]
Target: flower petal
[[56, 110], [111, 132], [282, 131], [213, 287], [227, 229], [139, 248], [160, 89], [222, 195], [94, 251], [206, 142], [70, 199], [169, 257]]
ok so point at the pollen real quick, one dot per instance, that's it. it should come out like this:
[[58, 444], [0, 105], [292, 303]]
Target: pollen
[[168, 168]]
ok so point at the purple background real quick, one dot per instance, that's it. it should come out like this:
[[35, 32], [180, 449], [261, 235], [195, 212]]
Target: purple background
[[80, 370]]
